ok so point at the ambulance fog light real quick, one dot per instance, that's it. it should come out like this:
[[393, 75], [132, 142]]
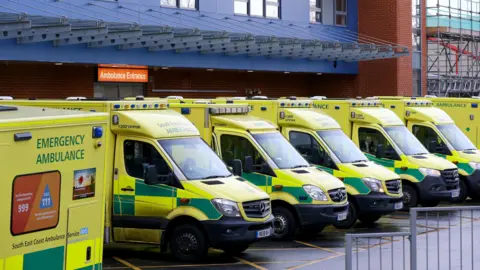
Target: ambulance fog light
[[97, 132]]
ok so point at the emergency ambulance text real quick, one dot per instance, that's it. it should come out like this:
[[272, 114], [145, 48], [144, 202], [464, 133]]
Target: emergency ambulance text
[[60, 156]]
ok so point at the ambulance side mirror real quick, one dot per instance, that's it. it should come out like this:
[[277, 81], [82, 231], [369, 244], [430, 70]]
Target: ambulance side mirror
[[380, 151], [151, 177], [248, 166], [237, 167]]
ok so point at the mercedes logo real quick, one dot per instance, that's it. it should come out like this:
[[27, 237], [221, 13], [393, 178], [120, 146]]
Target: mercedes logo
[[262, 207]]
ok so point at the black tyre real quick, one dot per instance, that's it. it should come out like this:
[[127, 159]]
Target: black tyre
[[463, 193], [351, 217], [235, 249], [188, 243], [429, 203], [474, 196], [410, 197], [284, 224], [369, 220]]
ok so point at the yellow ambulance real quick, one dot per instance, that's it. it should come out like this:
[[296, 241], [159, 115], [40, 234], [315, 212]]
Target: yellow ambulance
[[373, 190], [465, 112], [303, 197], [437, 131], [166, 186], [53, 185], [383, 137]]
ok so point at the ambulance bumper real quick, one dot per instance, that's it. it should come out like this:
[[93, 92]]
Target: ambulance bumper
[[434, 188], [473, 182], [378, 203], [227, 231], [313, 215]]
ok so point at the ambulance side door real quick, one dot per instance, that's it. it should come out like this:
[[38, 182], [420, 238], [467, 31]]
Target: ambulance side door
[[375, 145], [237, 146], [138, 206]]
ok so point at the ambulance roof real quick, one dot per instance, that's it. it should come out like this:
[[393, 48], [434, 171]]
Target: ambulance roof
[[381, 116], [311, 119], [25, 113], [244, 122]]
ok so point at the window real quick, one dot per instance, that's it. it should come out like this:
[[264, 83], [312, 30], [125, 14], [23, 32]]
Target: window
[[280, 150], [341, 145], [456, 137], [405, 140], [370, 139], [236, 147], [316, 11], [188, 4], [429, 138], [139, 155], [341, 12], [259, 8], [308, 147], [195, 158]]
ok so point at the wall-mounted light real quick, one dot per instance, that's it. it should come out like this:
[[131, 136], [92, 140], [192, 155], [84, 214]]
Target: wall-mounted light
[[209, 69]]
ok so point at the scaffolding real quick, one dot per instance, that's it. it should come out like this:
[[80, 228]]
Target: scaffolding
[[453, 37]]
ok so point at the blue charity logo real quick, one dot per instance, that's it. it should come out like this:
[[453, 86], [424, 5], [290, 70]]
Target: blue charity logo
[[46, 201]]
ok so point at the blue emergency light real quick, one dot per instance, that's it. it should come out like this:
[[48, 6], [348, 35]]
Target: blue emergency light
[[264, 108], [474, 105], [97, 132], [185, 110], [116, 106], [144, 105]]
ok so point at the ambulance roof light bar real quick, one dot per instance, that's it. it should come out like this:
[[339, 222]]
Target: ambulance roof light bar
[[6, 98], [140, 105], [174, 97], [476, 97], [202, 102], [76, 98], [259, 97], [430, 96], [237, 98], [318, 97], [372, 98], [229, 110]]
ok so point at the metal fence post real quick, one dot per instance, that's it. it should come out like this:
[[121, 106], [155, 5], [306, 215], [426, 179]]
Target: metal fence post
[[413, 239], [348, 252]]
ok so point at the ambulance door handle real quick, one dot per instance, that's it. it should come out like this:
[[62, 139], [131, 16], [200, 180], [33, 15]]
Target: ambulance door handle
[[128, 189]]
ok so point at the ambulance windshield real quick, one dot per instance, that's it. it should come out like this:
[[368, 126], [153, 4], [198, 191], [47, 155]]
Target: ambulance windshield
[[345, 150], [195, 158], [280, 150], [456, 137], [406, 141]]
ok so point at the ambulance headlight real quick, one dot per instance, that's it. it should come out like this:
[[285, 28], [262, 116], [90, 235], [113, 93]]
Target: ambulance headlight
[[373, 184], [315, 193], [474, 165], [226, 207], [429, 172]]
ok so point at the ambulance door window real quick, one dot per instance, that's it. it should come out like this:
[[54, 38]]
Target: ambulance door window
[[139, 155], [430, 139], [236, 147], [372, 140], [309, 148]]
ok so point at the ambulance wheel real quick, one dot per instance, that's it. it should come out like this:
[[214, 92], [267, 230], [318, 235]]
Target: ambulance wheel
[[284, 224], [188, 243], [475, 196], [410, 197], [233, 250], [463, 193], [352, 217], [369, 220]]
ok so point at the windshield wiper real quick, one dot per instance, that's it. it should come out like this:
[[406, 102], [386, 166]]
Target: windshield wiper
[[360, 160], [299, 166], [417, 154], [216, 176], [473, 149]]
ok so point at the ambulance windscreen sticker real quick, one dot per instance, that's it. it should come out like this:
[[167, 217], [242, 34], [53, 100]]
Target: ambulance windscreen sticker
[[36, 202], [84, 183]]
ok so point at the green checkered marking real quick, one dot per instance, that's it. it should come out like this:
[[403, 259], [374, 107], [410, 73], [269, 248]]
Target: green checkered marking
[[124, 205], [412, 172], [467, 168], [48, 259], [380, 161], [328, 170], [358, 184], [259, 180], [298, 192], [205, 206]]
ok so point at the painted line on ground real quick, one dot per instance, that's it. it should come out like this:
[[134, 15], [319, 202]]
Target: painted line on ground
[[316, 261], [191, 265], [318, 247], [126, 263], [250, 263]]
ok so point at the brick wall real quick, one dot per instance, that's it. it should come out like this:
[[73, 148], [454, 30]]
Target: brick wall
[[388, 20], [45, 80]]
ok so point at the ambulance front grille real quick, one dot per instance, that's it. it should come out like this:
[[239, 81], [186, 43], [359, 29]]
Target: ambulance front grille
[[393, 186], [452, 179], [257, 209], [338, 195]]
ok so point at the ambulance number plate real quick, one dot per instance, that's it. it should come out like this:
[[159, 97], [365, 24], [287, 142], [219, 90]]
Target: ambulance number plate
[[264, 233]]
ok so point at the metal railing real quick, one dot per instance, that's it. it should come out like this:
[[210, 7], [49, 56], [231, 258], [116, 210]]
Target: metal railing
[[438, 238]]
